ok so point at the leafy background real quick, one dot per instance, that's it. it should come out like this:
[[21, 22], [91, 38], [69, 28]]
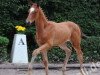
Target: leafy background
[[86, 13]]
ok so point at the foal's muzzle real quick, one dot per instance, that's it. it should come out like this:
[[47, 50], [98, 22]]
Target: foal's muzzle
[[28, 22]]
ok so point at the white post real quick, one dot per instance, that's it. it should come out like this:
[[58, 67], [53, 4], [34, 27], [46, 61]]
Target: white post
[[19, 49]]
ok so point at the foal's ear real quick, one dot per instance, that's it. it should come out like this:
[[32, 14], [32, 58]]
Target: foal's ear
[[38, 5], [30, 2]]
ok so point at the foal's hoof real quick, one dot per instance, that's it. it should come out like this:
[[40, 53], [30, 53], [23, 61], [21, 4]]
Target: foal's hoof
[[82, 71], [64, 69], [29, 71]]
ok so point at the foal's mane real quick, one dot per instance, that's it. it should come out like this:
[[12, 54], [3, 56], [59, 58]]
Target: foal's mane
[[41, 22], [42, 14]]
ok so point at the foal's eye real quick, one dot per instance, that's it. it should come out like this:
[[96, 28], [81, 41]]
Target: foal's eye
[[28, 11], [33, 12]]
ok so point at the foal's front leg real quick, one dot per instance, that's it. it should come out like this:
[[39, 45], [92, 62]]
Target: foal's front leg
[[45, 61], [35, 53]]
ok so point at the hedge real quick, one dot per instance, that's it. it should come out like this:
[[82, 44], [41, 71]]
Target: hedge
[[83, 12], [91, 48]]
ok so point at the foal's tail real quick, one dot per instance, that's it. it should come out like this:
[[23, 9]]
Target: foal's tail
[[84, 36]]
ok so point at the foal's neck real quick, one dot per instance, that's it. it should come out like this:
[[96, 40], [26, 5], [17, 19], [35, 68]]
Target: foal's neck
[[41, 23]]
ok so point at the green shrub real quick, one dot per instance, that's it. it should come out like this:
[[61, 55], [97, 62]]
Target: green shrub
[[3, 48], [4, 41]]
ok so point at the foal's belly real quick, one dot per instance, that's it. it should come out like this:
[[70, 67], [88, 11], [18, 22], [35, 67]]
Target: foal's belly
[[62, 35]]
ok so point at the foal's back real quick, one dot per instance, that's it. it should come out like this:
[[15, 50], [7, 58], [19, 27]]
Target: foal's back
[[65, 31]]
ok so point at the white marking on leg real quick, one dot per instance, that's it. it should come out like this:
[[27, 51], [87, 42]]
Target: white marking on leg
[[32, 59]]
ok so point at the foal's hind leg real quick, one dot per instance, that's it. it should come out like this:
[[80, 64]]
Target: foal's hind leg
[[76, 41], [68, 53], [79, 54], [80, 57], [76, 46]]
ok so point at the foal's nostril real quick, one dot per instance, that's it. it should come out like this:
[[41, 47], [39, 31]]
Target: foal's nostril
[[28, 22]]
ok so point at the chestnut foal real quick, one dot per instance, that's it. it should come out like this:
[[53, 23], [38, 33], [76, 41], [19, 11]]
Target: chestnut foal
[[49, 34]]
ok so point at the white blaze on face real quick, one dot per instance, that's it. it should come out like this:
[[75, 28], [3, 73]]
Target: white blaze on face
[[32, 10], [29, 18]]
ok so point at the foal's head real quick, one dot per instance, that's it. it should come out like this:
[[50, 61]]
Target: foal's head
[[33, 13]]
